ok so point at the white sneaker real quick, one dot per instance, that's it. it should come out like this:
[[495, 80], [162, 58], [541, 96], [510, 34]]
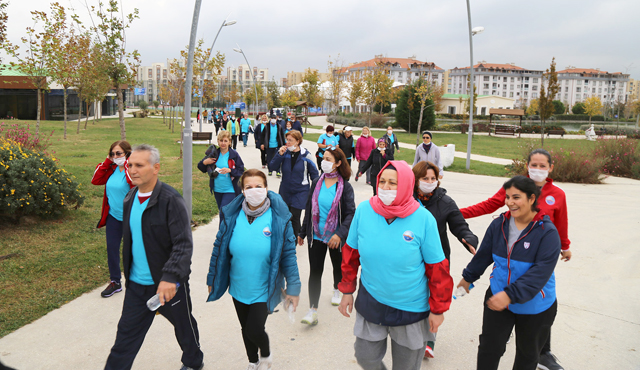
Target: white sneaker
[[335, 300], [265, 363], [253, 366], [311, 318]]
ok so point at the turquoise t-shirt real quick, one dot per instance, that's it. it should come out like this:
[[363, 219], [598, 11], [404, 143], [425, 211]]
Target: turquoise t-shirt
[[117, 189], [250, 248], [222, 183], [392, 138], [325, 200], [244, 124], [393, 256], [140, 272], [273, 135], [325, 139], [233, 128]]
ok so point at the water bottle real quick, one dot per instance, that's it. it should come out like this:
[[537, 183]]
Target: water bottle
[[154, 302], [461, 292], [288, 307]]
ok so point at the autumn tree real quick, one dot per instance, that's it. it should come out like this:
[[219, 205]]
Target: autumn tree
[[311, 88], [547, 93], [273, 95], [425, 91], [289, 98], [83, 65], [205, 67], [356, 90], [249, 95], [110, 31], [336, 83], [467, 104], [377, 87], [94, 81], [592, 107], [533, 108]]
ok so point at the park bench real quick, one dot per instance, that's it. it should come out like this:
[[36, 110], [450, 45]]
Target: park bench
[[504, 130], [203, 136], [600, 133], [556, 132]]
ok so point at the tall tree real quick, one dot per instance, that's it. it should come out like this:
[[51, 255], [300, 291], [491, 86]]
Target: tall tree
[[425, 91], [110, 30], [548, 92], [94, 81], [311, 88], [377, 86], [356, 90], [592, 107], [273, 95], [534, 107], [289, 98], [336, 83], [206, 67]]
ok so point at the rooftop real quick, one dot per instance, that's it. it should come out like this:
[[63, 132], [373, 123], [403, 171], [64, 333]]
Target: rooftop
[[8, 70], [402, 62], [494, 66]]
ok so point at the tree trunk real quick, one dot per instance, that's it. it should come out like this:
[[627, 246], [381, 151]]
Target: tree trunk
[[638, 119], [174, 122], [79, 113], [164, 118], [419, 124], [38, 117], [64, 98], [542, 133], [86, 120], [123, 131], [95, 111]]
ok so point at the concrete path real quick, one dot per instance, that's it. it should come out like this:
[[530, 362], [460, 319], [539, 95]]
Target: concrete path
[[597, 327]]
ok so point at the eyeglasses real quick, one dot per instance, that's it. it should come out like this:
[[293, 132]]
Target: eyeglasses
[[116, 153], [426, 137]]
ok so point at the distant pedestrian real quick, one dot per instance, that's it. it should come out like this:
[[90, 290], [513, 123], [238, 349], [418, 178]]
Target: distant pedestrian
[[378, 158], [234, 129], [325, 141], [392, 140], [346, 143], [205, 116], [364, 145], [198, 116], [253, 254], [258, 131], [523, 245], [295, 124], [405, 285], [245, 124], [327, 217], [272, 140], [428, 152], [114, 174], [157, 252]]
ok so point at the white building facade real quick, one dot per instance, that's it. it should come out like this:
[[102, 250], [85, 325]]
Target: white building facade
[[401, 70], [578, 84]]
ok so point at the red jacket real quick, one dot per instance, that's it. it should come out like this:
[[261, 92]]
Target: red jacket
[[552, 202], [364, 146], [100, 176]]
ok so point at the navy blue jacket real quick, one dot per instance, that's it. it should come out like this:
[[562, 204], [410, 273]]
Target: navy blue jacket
[[235, 164], [526, 273], [284, 263], [296, 125], [347, 208], [266, 136], [258, 134], [294, 187]]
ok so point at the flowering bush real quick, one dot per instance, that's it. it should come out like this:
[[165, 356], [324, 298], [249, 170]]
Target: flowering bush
[[32, 184], [24, 137], [620, 157]]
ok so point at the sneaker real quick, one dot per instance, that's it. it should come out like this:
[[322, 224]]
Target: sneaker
[[270, 173], [311, 318], [278, 174], [357, 177], [428, 352], [253, 365], [264, 166], [548, 361], [265, 363], [111, 289], [335, 300], [185, 367]]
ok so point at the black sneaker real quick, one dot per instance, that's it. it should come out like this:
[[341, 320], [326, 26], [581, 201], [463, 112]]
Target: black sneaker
[[357, 177], [548, 361], [185, 367], [111, 289]]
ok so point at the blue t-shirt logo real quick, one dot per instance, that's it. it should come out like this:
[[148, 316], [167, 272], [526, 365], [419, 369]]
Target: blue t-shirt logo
[[266, 231], [408, 236], [550, 200]]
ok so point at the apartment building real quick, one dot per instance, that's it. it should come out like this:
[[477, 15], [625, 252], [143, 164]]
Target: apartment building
[[633, 89], [241, 75], [150, 78], [505, 80], [578, 84], [401, 70], [294, 78]]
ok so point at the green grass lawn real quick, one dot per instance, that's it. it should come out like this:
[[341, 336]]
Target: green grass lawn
[[58, 260]]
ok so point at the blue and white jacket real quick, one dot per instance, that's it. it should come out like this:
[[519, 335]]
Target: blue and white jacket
[[526, 273], [284, 263], [294, 187]]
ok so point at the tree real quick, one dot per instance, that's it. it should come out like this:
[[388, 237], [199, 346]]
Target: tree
[[143, 104], [249, 95], [156, 104], [467, 103], [83, 51], [273, 95], [547, 93], [558, 107], [377, 86], [336, 83], [311, 88], [407, 108], [122, 65], [592, 107], [356, 91], [289, 98], [635, 109], [94, 81], [204, 65], [578, 108], [425, 92], [533, 108]]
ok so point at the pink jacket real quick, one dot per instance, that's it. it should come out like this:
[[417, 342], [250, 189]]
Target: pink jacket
[[364, 146]]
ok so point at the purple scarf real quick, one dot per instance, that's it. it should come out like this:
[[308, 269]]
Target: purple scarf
[[331, 224]]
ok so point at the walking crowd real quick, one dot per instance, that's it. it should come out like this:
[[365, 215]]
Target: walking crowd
[[394, 244]]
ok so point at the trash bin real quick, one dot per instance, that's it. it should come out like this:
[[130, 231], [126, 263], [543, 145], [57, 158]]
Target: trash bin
[[447, 154]]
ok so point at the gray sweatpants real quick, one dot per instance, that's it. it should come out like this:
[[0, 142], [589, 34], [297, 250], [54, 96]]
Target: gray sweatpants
[[370, 354]]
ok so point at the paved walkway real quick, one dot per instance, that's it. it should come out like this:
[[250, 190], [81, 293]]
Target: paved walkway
[[597, 327]]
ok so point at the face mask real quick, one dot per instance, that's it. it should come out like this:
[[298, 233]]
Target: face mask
[[119, 161], [291, 148], [365, 135], [538, 175], [273, 121], [381, 149], [255, 196], [329, 135], [289, 128], [387, 196], [327, 167], [389, 132], [427, 187]]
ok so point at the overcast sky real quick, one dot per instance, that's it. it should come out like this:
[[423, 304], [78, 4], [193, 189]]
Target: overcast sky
[[287, 35]]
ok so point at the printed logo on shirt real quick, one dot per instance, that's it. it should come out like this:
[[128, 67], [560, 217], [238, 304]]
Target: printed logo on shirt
[[266, 231], [550, 200], [527, 245], [408, 236]]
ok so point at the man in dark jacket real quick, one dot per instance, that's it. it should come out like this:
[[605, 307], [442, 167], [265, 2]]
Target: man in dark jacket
[[345, 142], [295, 124], [392, 140], [157, 249], [272, 139]]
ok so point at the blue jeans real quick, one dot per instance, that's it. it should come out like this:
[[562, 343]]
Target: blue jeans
[[245, 138], [114, 239], [222, 199]]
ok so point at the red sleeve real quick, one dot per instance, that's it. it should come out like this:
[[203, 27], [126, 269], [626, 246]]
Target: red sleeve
[[561, 221], [488, 206], [102, 173], [440, 286], [350, 264]]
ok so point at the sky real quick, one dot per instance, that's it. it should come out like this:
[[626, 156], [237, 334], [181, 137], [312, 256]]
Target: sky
[[287, 35]]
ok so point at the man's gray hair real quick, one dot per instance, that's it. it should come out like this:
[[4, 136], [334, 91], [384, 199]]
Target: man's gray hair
[[154, 153]]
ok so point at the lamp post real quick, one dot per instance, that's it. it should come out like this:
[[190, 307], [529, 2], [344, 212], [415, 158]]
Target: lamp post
[[201, 92], [472, 32], [253, 77]]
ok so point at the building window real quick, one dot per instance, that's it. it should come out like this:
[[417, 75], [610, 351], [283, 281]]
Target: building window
[[504, 80], [578, 89], [577, 96], [526, 79], [526, 94], [164, 73], [511, 79], [149, 73], [535, 80], [593, 90], [486, 86], [600, 89], [511, 94], [579, 82], [534, 88], [534, 95], [504, 94], [485, 92], [486, 78]]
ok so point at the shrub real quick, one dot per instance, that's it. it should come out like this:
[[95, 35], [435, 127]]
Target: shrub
[[32, 184], [612, 130], [621, 157], [24, 137], [530, 129], [578, 108]]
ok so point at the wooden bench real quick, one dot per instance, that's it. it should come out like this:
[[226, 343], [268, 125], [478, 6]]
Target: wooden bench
[[600, 132], [203, 136], [504, 130], [556, 132]]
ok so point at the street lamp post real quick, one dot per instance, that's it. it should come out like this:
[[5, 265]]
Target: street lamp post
[[472, 32], [239, 50], [201, 92]]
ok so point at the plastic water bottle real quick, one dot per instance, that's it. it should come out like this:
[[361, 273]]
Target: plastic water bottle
[[461, 292], [288, 308], [154, 302]]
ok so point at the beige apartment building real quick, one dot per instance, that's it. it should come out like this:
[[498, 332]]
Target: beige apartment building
[[633, 89], [294, 78]]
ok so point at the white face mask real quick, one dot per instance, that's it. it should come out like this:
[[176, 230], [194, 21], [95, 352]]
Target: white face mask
[[273, 121], [387, 196], [327, 167], [389, 132], [381, 149], [538, 175], [291, 148], [255, 196], [427, 187], [119, 161], [365, 135], [330, 134]]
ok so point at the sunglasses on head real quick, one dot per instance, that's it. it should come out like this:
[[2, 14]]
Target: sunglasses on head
[[116, 153]]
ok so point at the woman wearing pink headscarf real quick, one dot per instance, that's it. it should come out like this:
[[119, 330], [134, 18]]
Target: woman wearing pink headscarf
[[405, 283]]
